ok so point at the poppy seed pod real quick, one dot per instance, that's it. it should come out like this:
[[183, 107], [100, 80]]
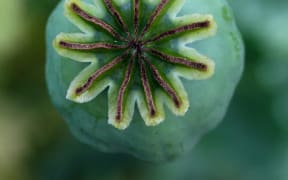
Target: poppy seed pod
[[143, 77]]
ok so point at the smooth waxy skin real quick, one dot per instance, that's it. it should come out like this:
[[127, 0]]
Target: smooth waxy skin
[[177, 134]]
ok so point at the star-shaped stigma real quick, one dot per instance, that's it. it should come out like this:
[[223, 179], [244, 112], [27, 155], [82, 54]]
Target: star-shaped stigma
[[140, 58]]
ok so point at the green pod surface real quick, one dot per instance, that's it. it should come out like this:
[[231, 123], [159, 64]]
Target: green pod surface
[[161, 72]]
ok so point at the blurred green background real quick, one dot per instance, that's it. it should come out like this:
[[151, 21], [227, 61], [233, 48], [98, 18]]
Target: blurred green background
[[251, 143]]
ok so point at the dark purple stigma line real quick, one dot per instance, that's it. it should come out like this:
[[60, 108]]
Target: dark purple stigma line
[[99, 72], [136, 16], [154, 15], [147, 89], [170, 91], [117, 15], [122, 90], [177, 60], [189, 27], [84, 46], [96, 21]]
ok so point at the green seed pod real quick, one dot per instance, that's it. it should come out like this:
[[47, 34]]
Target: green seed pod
[[161, 72]]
